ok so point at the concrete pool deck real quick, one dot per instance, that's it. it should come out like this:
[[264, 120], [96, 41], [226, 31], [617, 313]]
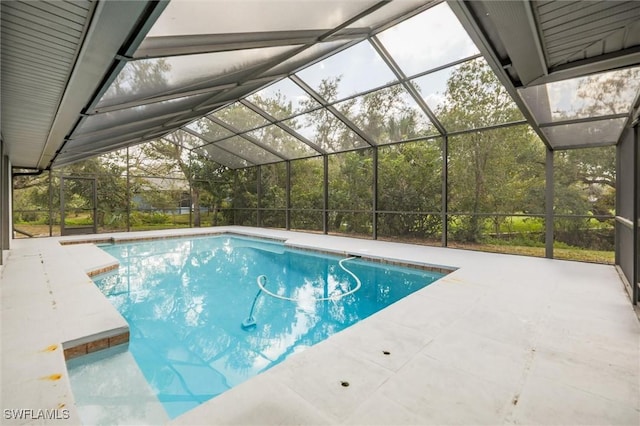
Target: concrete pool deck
[[502, 340]]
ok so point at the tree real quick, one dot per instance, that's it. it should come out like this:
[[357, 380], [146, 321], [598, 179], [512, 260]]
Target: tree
[[410, 188], [273, 201], [350, 191], [329, 132], [172, 157], [496, 171]]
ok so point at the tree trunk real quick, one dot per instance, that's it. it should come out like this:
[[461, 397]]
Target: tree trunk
[[474, 233], [195, 199], [214, 215]]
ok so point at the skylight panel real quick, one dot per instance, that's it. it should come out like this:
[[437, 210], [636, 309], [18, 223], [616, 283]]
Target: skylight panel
[[185, 139], [387, 12], [596, 95], [283, 99], [387, 115], [240, 117], [307, 56], [248, 150], [433, 88], [326, 131], [209, 130], [146, 78], [430, 39], [282, 142], [139, 113], [221, 156], [349, 72], [184, 17], [467, 96], [597, 132]]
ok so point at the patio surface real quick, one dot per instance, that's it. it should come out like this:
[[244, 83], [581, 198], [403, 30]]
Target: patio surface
[[502, 340]]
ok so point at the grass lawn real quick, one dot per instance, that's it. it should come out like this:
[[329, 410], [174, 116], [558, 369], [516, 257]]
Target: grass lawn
[[582, 255]]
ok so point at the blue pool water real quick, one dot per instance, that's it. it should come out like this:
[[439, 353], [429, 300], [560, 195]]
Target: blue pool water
[[186, 300]]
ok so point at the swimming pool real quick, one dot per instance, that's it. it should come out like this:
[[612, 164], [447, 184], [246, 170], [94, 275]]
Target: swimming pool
[[206, 314]]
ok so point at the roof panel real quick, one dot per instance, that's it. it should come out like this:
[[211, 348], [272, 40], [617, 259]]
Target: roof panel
[[548, 9], [592, 96], [391, 10], [587, 29], [38, 53], [240, 117], [45, 96], [428, 40], [589, 12], [349, 72], [146, 78], [282, 142], [34, 28], [208, 130], [219, 155], [10, 28], [14, 12], [207, 17], [594, 133], [48, 10], [78, 7], [594, 31], [283, 99], [387, 115], [34, 50], [248, 150], [467, 96], [141, 113], [325, 130], [41, 72], [307, 56]]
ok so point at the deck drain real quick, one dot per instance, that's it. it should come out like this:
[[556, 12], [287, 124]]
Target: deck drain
[[344, 384], [386, 352]]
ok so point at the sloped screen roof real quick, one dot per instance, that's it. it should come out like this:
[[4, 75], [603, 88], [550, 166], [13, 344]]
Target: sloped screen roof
[[252, 82], [256, 82]]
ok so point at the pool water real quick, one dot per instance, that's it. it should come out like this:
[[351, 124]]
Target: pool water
[[186, 301]]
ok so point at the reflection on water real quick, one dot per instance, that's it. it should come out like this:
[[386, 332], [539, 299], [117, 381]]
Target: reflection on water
[[185, 301]]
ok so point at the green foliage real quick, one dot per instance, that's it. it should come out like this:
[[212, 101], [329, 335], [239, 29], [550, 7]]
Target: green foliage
[[410, 181], [273, 181], [155, 218], [496, 178], [501, 170]]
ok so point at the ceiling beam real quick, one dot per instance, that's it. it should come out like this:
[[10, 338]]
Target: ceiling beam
[[154, 47], [626, 58], [516, 27]]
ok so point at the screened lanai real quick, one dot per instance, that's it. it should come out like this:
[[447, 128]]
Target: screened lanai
[[493, 143], [482, 125]]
